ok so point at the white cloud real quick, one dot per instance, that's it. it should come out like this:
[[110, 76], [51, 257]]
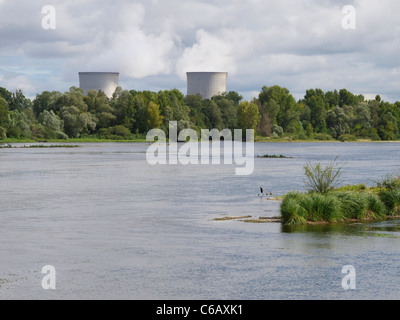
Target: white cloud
[[135, 54], [209, 53], [22, 82], [297, 44], [121, 44]]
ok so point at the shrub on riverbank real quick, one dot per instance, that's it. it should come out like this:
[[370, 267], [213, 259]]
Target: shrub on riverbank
[[323, 203], [319, 179], [299, 208]]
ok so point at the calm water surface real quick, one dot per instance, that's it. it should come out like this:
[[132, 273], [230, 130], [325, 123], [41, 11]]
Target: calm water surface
[[115, 227]]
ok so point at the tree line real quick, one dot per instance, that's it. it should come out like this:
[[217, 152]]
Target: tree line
[[131, 114]]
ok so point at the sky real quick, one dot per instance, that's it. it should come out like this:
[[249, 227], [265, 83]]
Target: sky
[[296, 44]]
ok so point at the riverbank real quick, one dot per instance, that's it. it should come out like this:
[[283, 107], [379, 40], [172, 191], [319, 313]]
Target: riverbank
[[292, 140], [257, 140], [277, 219], [72, 140], [37, 146]]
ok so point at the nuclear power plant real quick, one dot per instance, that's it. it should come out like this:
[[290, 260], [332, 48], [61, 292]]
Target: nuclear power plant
[[207, 84], [104, 81]]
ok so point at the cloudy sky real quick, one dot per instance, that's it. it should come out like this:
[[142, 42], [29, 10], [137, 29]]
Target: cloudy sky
[[297, 44]]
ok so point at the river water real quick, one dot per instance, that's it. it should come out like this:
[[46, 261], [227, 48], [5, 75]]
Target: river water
[[115, 227]]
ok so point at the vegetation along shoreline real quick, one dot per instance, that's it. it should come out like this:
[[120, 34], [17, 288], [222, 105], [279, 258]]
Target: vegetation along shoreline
[[127, 115], [326, 203]]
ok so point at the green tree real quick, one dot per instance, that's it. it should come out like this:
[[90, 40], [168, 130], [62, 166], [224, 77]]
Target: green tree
[[305, 116], [333, 98], [75, 97], [172, 106], [3, 118], [362, 122], [154, 118], [140, 106], [18, 101], [123, 107], [248, 115], [19, 125], [228, 113], [346, 98], [41, 102], [388, 128], [309, 129], [5, 94], [195, 104], [51, 120], [98, 104], [212, 115], [3, 113], [231, 96], [338, 122], [316, 100], [280, 107], [77, 122]]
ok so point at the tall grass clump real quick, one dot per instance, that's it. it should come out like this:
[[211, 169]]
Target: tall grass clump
[[321, 207], [353, 204], [391, 199], [297, 208], [319, 179], [291, 211], [376, 208]]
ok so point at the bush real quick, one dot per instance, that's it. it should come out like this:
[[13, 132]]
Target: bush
[[277, 130], [61, 135], [119, 132], [320, 179], [302, 136], [347, 137]]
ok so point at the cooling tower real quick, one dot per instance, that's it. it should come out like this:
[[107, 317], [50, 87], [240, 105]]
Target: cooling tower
[[207, 84], [104, 81]]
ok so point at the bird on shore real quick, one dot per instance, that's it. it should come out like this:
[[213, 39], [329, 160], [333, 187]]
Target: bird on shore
[[266, 192]]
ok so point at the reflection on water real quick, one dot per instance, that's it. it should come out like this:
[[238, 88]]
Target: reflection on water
[[115, 227], [389, 228]]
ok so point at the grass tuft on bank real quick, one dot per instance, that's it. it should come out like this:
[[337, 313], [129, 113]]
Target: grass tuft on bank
[[329, 204]]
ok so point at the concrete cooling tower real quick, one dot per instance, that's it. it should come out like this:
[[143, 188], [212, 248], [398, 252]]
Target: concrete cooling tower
[[104, 81], [207, 84]]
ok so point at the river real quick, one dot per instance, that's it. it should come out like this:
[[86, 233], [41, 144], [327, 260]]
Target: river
[[115, 227]]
